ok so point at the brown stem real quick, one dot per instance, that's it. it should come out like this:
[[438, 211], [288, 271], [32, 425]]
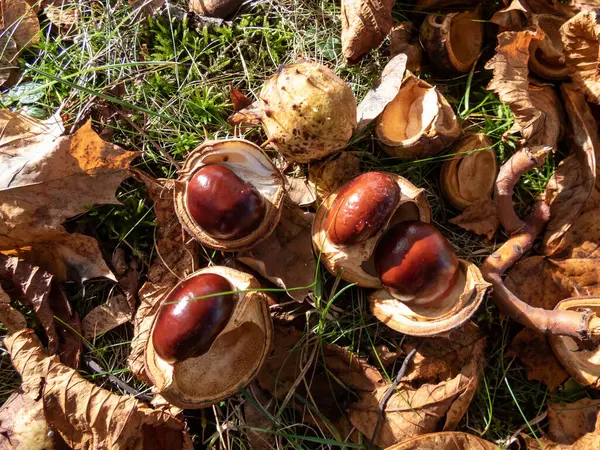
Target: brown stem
[[582, 325], [509, 174]]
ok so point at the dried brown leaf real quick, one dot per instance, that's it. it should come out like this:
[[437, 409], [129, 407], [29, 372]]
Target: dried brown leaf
[[445, 441], [513, 17], [571, 185], [148, 7], [48, 179], [248, 117], [116, 311], [581, 41], [403, 39], [384, 91], [239, 100], [261, 419], [331, 174], [214, 8], [426, 399], [567, 422], [35, 287], [85, 415], [437, 4], [299, 191], [177, 254], [23, 425], [8, 58], [19, 20], [62, 14], [480, 218], [534, 351], [286, 256], [365, 24]]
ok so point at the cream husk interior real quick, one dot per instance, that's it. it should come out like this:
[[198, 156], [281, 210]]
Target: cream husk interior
[[248, 162], [583, 365], [411, 112], [355, 262], [233, 359], [466, 36], [416, 320]]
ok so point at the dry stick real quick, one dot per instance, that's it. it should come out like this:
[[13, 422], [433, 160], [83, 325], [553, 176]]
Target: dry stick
[[117, 382], [388, 394], [582, 325]]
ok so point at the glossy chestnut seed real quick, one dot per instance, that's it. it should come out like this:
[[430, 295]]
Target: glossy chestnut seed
[[361, 208], [414, 260], [222, 204], [187, 325]]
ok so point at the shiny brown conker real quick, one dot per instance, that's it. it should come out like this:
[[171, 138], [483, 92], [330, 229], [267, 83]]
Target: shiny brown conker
[[361, 208], [222, 204], [415, 261], [186, 325]]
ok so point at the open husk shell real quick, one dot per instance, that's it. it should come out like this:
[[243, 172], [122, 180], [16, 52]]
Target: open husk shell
[[308, 111], [249, 163], [453, 41], [546, 56], [418, 123], [470, 175], [416, 320], [234, 358], [354, 263], [582, 364]]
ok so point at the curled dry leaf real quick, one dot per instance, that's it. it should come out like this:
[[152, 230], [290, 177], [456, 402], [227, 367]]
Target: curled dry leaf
[[239, 100], [177, 254], [365, 24], [536, 109], [437, 4], [23, 425], [479, 217], [62, 15], [534, 351], [299, 191], [48, 179], [331, 174], [35, 287], [445, 441], [581, 40], [384, 91], [512, 18], [148, 7], [19, 20], [220, 9], [427, 398], [567, 422], [571, 185], [286, 256], [116, 311], [547, 58], [8, 58], [85, 415], [403, 39]]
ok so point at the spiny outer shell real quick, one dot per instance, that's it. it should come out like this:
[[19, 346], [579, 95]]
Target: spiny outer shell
[[234, 358], [449, 177], [583, 365], [251, 165], [415, 320], [308, 111], [347, 261], [439, 134], [436, 38]]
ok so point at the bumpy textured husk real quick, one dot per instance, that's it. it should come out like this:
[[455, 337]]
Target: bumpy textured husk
[[308, 111], [460, 304], [418, 123], [234, 358], [251, 165], [348, 261]]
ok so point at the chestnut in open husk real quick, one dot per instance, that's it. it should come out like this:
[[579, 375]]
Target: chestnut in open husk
[[351, 220], [582, 362], [453, 41], [469, 176], [229, 194], [211, 336], [418, 122]]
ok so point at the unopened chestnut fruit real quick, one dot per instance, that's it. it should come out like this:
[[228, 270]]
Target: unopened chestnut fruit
[[187, 325], [362, 208], [416, 263], [222, 204]]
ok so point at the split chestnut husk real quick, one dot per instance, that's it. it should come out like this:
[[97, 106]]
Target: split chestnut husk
[[470, 175], [352, 219], [582, 362], [229, 195], [418, 122], [453, 41], [231, 338]]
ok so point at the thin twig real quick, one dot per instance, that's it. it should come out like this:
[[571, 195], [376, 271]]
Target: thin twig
[[117, 382], [388, 394]]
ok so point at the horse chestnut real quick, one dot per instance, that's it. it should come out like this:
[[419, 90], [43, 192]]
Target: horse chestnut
[[222, 204], [362, 208], [187, 325], [414, 261]]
